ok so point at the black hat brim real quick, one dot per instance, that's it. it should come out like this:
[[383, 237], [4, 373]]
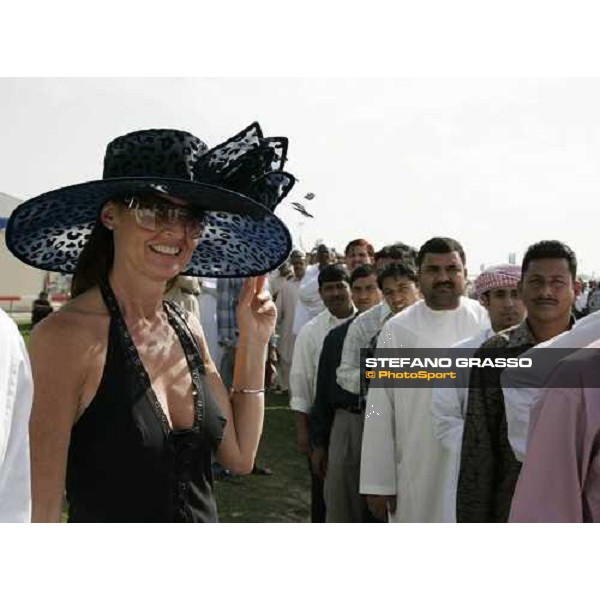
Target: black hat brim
[[241, 238]]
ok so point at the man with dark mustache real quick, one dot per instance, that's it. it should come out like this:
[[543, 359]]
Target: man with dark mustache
[[401, 459], [488, 466], [336, 417], [334, 289], [310, 303], [496, 289]]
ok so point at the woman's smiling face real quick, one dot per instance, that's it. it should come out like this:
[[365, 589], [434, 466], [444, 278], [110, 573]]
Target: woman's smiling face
[[155, 236]]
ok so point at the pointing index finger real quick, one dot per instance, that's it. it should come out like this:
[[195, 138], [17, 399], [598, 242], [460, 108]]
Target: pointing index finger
[[247, 292], [260, 283]]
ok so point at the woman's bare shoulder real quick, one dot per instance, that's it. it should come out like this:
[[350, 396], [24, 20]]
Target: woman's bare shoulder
[[79, 323]]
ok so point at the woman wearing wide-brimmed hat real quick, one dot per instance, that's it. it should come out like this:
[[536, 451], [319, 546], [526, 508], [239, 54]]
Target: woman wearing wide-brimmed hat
[[129, 409]]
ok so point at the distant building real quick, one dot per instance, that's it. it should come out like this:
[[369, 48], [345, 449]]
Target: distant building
[[19, 283]]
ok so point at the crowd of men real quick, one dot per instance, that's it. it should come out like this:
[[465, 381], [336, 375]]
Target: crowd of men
[[498, 445], [464, 453]]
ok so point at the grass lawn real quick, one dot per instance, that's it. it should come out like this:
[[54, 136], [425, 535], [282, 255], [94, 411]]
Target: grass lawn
[[281, 497], [25, 330]]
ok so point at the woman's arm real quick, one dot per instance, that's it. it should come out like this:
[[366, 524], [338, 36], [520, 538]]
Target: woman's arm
[[56, 362], [244, 406]]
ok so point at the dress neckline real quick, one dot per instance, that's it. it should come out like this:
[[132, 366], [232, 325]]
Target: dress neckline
[[190, 350]]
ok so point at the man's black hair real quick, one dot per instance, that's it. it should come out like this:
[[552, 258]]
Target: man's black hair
[[333, 273], [550, 249], [382, 253], [407, 254], [440, 245], [398, 271], [362, 271]]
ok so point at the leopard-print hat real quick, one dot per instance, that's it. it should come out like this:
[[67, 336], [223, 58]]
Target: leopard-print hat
[[238, 183]]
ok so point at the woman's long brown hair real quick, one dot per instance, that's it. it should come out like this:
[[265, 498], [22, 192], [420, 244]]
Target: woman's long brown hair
[[95, 261]]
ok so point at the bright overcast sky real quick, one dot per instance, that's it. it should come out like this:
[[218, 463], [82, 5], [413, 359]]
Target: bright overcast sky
[[496, 163]]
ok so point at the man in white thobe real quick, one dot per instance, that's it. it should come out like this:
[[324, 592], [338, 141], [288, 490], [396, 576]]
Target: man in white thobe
[[496, 289], [16, 397], [310, 303], [401, 458], [278, 278], [286, 307]]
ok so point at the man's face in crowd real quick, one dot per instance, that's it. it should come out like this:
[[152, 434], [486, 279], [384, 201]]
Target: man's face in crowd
[[365, 293], [323, 255], [298, 266], [357, 255], [284, 269], [336, 297], [442, 279], [504, 307], [547, 289], [400, 292]]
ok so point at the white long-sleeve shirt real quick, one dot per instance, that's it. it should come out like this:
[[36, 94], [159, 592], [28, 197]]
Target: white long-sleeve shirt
[[16, 397], [448, 411], [519, 401], [305, 360], [360, 334]]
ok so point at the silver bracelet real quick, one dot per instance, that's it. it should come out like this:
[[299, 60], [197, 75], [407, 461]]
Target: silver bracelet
[[247, 391]]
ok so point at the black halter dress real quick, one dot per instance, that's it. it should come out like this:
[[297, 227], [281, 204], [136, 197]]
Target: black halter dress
[[125, 464]]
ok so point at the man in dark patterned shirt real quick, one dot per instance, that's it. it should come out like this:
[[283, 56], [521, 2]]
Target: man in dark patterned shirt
[[488, 468]]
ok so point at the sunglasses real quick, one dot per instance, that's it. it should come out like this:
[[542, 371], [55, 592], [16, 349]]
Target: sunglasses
[[152, 214]]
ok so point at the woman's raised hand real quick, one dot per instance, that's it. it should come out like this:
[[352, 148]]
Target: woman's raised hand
[[256, 312]]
